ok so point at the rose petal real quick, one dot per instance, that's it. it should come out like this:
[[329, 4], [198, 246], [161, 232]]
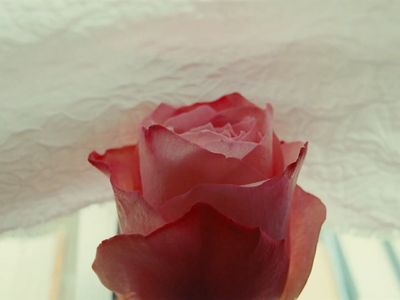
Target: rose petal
[[267, 158], [203, 255], [237, 114], [268, 154], [307, 215], [170, 166], [219, 143], [230, 148], [225, 102], [249, 127], [121, 165], [159, 115], [207, 126], [185, 121], [226, 130], [290, 151], [134, 214], [244, 125], [278, 161], [265, 205]]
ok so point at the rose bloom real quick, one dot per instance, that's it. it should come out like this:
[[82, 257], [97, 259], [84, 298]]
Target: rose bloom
[[209, 207]]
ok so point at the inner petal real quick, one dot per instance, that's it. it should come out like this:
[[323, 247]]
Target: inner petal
[[246, 124], [194, 118], [226, 130], [219, 143], [248, 130]]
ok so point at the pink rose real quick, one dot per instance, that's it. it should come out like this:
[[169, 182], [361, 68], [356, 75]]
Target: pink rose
[[209, 207]]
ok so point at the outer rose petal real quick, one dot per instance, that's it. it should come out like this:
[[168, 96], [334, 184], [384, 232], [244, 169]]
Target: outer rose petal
[[290, 151], [121, 165], [307, 215], [203, 255], [266, 205], [170, 166], [134, 213]]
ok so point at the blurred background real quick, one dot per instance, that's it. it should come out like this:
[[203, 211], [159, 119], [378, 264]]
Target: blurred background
[[78, 75]]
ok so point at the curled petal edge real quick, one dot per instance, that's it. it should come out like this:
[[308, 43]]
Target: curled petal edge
[[203, 255]]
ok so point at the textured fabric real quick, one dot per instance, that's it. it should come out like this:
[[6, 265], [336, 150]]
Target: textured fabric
[[72, 71]]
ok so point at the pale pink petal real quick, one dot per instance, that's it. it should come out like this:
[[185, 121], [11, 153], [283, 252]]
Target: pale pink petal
[[134, 214], [238, 114], [266, 205], [267, 158], [201, 256], [267, 155], [230, 148], [194, 118], [307, 215], [170, 166], [219, 143], [290, 151], [249, 128], [244, 125], [207, 126], [226, 130], [121, 165], [201, 137], [165, 111], [162, 112]]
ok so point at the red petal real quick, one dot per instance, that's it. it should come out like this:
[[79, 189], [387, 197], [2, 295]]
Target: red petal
[[203, 255], [265, 205], [121, 165], [171, 166], [307, 215]]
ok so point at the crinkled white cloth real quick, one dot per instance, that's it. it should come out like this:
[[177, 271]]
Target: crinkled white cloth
[[71, 72]]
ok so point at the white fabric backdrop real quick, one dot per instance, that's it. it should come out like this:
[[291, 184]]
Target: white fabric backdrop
[[72, 71]]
